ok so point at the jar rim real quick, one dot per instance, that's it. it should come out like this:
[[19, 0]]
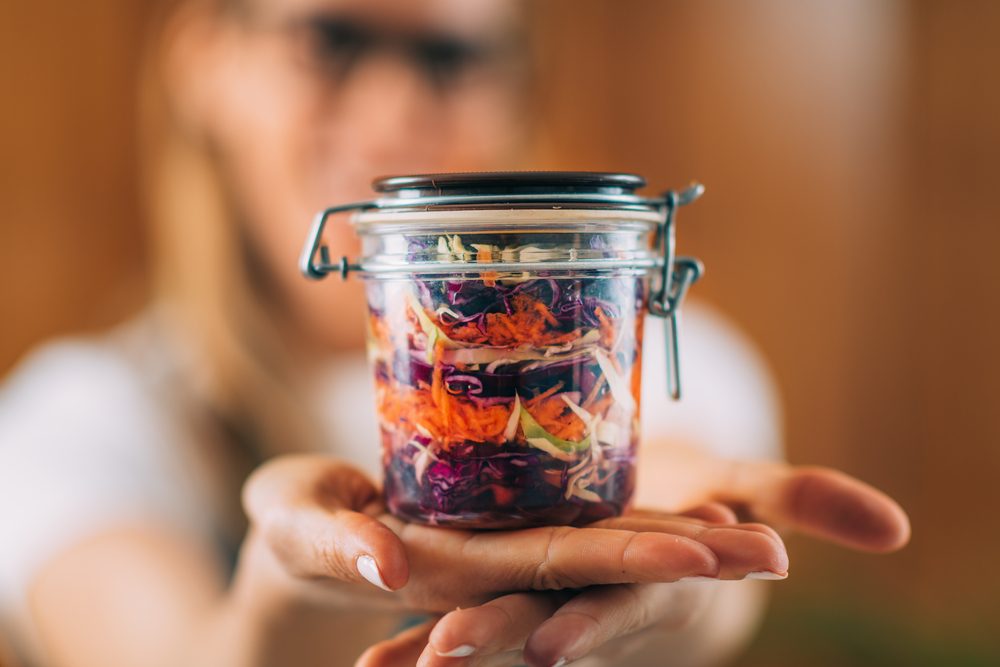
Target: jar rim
[[513, 218]]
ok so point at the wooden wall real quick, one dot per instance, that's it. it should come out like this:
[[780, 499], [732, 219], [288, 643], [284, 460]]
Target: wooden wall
[[70, 232], [852, 156]]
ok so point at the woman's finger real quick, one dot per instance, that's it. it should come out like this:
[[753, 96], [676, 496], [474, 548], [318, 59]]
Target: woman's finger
[[307, 509], [650, 520], [599, 615], [821, 502], [467, 637], [403, 650], [711, 513], [745, 550], [708, 512]]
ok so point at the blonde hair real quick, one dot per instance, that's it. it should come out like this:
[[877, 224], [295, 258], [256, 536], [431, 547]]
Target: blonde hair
[[204, 274]]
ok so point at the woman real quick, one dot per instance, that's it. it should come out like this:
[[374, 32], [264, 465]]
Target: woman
[[123, 459]]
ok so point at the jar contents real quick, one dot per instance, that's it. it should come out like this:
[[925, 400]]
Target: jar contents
[[506, 399]]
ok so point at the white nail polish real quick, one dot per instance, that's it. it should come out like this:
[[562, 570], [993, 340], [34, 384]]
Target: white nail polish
[[369, 570], [462, 651], [561, 662], [766, 576]]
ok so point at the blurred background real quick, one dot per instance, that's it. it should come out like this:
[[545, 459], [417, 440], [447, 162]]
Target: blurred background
[[851, 151]]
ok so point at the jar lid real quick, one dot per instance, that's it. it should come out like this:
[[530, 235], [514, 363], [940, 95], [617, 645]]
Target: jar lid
[[509, 182], [512, 189]]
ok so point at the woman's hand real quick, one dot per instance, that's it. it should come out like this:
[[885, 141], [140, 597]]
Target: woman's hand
[[613, 620], [319, 530], [542, 628]]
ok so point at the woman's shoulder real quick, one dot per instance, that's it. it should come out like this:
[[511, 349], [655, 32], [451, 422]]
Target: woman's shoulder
[[97, 411], [70, 384], [68, 367]]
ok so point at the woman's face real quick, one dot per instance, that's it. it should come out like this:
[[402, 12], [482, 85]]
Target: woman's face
[[306, 101]]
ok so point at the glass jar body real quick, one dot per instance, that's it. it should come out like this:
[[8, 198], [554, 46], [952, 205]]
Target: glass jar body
[[508, 397]]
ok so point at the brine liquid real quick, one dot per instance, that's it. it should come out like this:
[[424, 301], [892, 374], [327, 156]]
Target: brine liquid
[[507, 400]]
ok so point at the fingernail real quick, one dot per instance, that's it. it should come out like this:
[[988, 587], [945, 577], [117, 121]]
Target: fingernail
[[560, 662], [369, 570], [767, 576], [458, 652], [698, 578]]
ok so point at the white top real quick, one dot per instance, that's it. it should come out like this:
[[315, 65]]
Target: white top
[[88, 440]]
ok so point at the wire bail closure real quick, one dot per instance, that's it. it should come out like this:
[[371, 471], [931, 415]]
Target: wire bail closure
[[314, 244], [677, 274]]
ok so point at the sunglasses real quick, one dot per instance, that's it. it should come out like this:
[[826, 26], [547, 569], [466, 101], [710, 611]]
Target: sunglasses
[[336, 46]]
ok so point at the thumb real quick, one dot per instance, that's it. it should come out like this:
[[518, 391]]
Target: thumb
[[821, 502], [313, 513]]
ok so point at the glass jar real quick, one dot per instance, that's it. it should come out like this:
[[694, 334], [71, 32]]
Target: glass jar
[[505, 319]]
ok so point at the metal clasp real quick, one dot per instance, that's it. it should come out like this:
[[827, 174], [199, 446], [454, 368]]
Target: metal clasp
[[679, 273], [314, 244]]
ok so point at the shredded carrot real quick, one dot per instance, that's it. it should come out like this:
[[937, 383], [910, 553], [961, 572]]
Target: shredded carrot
[[436, 385], [607, 328], [545, 394], [637, 364], [529, 322], [555, 416], [552, 414], [503, 323], [543, 309], [449, 419], [636, 385]]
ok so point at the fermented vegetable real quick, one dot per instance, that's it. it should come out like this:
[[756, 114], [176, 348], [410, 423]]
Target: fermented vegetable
[[506, 399]]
